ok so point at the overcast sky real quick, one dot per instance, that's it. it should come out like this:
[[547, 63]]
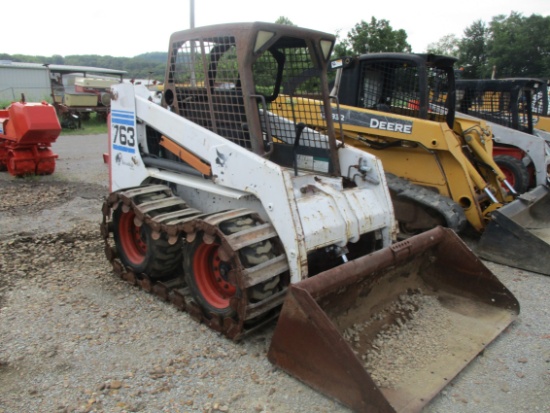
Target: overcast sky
[[128, 28]]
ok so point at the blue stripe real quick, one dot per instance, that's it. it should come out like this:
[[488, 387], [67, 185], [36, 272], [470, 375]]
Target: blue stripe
[[122, 121], [124, 149], [123, 117], [123, 113]]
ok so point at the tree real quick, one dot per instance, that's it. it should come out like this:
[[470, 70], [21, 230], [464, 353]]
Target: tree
[[520, 46], [472, 54], [376, 36], [284, 20], [448, 45], [57, 59], [512, 46]]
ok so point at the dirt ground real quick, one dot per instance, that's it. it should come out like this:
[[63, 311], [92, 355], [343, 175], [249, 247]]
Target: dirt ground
[[74, 338]]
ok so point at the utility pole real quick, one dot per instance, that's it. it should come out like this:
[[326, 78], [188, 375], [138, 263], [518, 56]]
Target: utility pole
[[192, 14]]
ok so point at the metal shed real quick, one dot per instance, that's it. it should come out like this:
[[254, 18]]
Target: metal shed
[[29, 78]]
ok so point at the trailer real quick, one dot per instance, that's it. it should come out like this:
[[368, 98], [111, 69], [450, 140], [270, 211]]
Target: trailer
[[79, 91]]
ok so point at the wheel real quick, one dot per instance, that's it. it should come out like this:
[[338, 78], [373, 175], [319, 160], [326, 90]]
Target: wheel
[[207, 277], [516, 173], [206, 273], [139, 252]]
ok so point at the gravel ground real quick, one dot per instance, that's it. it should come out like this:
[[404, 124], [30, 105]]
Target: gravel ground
[[74, 338]]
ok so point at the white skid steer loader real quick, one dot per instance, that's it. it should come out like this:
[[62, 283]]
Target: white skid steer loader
[[213, 208]]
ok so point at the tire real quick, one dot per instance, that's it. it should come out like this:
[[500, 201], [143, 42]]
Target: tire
[[516, 173], [138, 250], [207, 275]]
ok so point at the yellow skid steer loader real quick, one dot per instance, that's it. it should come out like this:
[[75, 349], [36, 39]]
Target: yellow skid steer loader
[[440, 167]]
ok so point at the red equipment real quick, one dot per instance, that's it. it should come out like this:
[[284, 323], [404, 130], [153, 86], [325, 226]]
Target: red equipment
[[27, 131]]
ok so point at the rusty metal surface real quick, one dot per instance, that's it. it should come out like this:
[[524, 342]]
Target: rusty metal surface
[[173, 289], [467, 306], [225, 111], [312, 340]]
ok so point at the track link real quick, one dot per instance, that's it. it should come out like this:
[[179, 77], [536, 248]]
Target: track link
[[420, 205], [170, 219]]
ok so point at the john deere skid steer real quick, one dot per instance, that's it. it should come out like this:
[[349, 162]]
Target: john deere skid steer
[[440, 167], [240, 217]]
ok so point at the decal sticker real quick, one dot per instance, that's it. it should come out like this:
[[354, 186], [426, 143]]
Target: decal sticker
[[312, 163], [372, 121], [123, 131]]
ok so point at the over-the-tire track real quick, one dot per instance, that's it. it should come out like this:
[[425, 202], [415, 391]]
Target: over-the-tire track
[[169, 218], [446, 211]]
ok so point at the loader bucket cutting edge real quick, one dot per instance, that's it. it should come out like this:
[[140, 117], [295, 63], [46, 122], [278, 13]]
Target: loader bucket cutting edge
[[519, 233], [386, 332]]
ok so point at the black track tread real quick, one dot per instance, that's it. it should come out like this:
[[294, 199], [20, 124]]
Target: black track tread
[[452, 213]]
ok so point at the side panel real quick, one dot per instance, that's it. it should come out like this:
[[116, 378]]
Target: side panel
[[126, 167]]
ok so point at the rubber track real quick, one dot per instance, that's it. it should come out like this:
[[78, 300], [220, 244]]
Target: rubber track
[[453, 213], [169, 215]]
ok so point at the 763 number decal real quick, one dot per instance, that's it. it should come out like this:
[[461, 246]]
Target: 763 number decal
[[123, 131]]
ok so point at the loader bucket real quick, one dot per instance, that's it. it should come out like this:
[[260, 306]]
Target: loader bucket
[[387, 331], [519, 233]]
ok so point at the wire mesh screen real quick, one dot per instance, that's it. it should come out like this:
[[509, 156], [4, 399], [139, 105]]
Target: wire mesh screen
[[283, 96], [290, 83], [540, 100], [495, 106], [438, 90], [511, 108], [399, 88], [208, 90]]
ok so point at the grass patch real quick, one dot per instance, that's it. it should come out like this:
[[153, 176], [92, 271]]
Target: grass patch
[[92, 124]]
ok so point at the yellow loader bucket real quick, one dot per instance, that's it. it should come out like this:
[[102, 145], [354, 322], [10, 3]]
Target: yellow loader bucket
[[519, 233], [387, 331]]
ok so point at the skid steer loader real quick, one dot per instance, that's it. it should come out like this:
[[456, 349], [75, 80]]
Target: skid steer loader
[[510, 107], [213, 210], [541, 110], [440, 168]]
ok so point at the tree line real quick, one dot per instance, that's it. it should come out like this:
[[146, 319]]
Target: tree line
[[507, 46], [144, 66]]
